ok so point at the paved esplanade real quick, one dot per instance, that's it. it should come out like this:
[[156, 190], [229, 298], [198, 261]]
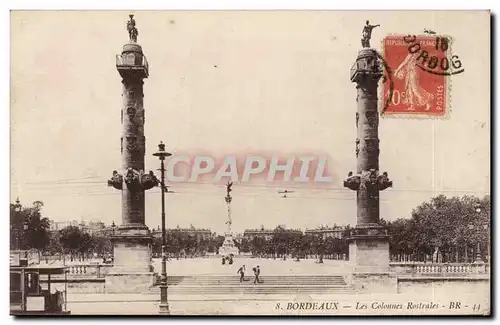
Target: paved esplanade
[[136, 304], [213, 266]]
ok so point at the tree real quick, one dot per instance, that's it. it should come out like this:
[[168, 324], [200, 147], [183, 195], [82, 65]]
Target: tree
[[38, 205], [54, 247], [258, 245], [447, 229], [18, 220], [402, 241], [86, 245], [71, 239], [37, 232], [244, 245], [28, 228], [101, 244], [212, 245], [219, 240], [318, 246], [189, 244]]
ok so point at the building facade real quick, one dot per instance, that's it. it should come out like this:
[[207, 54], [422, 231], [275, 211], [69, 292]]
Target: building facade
[[59, 225], [91, 227], [198, 233], [268, 234], [327, 232]]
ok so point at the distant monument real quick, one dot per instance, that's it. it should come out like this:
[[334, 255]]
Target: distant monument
[[228, 246], [369, 242], [132, 270]]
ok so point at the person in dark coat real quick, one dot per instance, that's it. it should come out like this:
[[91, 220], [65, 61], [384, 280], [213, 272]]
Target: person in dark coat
[[241, 271], [256, 272]]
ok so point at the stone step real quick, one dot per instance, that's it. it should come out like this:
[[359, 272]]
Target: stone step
[[269, 280], [274, 284], [294, 277], [272, 276], [250, 281], [257, 289], [235, 277]]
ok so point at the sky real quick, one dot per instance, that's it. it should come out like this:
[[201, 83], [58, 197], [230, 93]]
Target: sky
[[234, 83]]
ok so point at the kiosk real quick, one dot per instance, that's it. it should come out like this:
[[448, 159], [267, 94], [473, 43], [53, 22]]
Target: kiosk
[[31, 292]]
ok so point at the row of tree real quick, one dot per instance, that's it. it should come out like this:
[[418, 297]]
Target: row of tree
[[443, 229], [284, 243], [181, 244]]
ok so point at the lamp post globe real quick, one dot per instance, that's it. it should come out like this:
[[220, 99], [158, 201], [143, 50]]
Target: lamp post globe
[[161, 153]]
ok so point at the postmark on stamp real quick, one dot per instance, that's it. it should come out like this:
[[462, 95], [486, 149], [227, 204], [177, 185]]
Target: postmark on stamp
[[420, 67]]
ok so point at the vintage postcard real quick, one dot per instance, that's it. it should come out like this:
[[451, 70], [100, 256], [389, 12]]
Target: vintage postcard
[[281, 163]]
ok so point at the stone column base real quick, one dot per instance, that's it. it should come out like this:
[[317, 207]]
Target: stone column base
[[369, 258], [369, 254], [228, 246], [374, 282], [129, 282], [132, 270]]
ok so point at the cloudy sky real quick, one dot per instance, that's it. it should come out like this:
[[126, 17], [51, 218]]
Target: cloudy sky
[[234, 83]]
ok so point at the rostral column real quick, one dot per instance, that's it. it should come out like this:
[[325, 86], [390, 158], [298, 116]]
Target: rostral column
[[369, 242], [132, 270]]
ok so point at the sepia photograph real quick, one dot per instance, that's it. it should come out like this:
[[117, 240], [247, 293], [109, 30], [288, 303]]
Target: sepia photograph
[[250, 163]]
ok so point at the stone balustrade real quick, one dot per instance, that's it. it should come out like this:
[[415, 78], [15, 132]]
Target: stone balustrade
[[89, 270], [411, 268], [94, 270]]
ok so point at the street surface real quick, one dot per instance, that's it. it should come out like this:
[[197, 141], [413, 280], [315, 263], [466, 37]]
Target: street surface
[[357, 304]]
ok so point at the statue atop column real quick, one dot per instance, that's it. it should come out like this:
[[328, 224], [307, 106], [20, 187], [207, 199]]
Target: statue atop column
[[228, 189], [228, 201], [132, 30], [367, 34], [228, 248]]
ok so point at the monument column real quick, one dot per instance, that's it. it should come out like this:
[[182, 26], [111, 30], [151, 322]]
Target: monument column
[[132, 269], [369, 242], [228, 246], [228, 199]]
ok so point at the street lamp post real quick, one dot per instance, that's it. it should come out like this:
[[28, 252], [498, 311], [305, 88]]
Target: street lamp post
[[487, 243], [17, 208], [164, 308], [113, 229], [485, 227], [478, 253]]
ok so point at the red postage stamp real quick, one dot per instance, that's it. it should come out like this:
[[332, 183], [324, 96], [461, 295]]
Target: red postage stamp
[[417, 69]]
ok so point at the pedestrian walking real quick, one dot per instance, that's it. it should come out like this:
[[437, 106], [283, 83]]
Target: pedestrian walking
[[241, 271], [256, 272]]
